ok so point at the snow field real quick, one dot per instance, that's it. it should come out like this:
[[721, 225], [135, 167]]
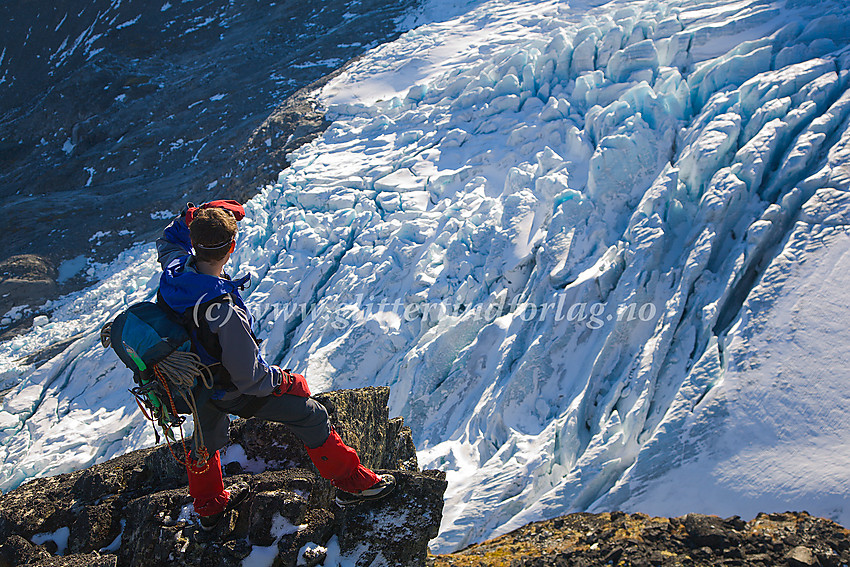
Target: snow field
[[680, 165]]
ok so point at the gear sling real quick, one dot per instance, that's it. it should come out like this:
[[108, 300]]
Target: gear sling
[[170, 378]]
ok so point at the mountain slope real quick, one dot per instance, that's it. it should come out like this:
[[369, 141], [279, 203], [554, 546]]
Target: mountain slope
[[595, 251], [130, 106]]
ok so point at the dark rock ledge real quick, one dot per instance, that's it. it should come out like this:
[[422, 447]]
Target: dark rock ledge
[[637, 540], [135, 510]]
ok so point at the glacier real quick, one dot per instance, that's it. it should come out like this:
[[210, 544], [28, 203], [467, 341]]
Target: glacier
[[599, 252]]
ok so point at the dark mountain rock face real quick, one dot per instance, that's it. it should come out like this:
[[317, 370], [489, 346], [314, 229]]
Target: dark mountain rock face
[[111, 110], [135, 510]]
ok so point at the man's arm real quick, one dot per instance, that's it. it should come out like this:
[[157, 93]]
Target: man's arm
[[174, 242], [240, 355]]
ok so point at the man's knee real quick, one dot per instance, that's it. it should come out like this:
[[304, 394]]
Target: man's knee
[[314, 430], [318, 412]]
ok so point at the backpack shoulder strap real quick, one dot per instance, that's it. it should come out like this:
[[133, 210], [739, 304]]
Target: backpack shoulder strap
[[204, 341]]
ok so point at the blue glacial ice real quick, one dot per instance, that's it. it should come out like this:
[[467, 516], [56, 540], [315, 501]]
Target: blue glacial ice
[[596, 252]]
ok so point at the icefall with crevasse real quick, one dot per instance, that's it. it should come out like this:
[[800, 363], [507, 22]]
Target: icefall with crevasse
[[600, 253]]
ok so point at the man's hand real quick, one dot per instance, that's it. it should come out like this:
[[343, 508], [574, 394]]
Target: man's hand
[[293, 384], [237, 210]]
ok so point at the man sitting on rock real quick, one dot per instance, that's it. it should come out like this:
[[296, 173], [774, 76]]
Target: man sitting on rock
[[194, 286]]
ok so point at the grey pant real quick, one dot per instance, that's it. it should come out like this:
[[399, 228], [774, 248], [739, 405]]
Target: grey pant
[[307, 418]]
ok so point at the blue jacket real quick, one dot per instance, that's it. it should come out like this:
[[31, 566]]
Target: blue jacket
[[217, 309]]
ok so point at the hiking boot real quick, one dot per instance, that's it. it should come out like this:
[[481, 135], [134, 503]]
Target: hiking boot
[[238, 493], [376, 491]]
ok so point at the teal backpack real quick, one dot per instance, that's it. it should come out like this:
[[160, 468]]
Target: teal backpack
[[158, 349]]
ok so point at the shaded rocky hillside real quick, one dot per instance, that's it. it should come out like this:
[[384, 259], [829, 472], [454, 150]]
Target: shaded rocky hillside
[[111, 111], [135, 510], [638, 540]]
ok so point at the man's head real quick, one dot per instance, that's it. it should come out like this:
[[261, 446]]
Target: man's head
[[213, 234]]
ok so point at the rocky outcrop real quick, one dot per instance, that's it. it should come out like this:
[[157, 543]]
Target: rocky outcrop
[[24, 276], [638, 540], [135, 510]]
